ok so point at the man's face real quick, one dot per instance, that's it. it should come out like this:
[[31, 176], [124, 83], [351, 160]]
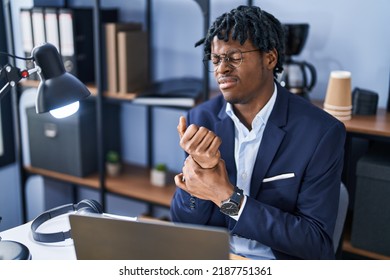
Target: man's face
[[246, 82]]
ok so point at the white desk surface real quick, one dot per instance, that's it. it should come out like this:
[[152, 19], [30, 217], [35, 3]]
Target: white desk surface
[[63, 250], [44, 251]]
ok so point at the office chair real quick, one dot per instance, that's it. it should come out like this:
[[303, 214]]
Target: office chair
[[340, 220]]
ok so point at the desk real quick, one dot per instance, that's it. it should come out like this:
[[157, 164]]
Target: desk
[[373, 128], [52, 251], [376, 126], [44, 251]]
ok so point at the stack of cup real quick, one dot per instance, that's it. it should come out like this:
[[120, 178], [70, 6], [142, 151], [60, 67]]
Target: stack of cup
[[338, 99]]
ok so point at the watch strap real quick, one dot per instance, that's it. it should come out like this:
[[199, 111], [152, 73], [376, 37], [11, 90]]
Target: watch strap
[[235, 197]]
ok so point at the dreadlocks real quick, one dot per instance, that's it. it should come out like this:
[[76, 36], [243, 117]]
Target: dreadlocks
[[248, 23]]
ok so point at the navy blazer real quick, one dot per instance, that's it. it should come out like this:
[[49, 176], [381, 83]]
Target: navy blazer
[[294, 216]]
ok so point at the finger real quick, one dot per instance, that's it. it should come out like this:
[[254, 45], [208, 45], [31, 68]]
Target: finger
[[179, 181], [197, 135], [182, 126], [214, 146], [205, 143], [210, 143]]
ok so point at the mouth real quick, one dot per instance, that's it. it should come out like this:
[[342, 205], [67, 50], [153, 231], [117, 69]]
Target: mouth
[[226, 82]]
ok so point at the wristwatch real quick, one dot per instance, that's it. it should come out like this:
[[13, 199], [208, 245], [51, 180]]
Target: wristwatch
[[231, 206]]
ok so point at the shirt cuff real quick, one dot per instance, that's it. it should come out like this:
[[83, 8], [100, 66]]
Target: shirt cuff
[[241, 209]]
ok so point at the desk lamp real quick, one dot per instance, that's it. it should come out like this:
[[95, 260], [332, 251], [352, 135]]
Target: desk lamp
[[59, 92]]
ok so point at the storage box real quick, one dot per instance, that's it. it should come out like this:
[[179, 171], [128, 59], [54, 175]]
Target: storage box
[[364, 102], [371, 214], [67, 145]]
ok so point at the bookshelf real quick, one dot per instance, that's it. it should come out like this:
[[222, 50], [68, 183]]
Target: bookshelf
[[134, 182]]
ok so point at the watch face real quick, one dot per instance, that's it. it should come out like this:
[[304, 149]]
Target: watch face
[[229, 208]]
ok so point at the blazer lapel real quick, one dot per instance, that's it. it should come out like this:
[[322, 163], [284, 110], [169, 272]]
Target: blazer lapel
[[272, 138], [225, 129]]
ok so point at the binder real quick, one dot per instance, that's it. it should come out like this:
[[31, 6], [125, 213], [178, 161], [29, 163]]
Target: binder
[[27, 35], [38, 31], [77, 40], [133, 61], [66, 41], [38, 26], [112, 59], [52, 27]]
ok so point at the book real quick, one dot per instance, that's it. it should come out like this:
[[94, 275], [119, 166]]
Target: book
[[132, 61], [38, 26], [111, 41], [175, 92], [77, 40], [67, 44], [52, 27]]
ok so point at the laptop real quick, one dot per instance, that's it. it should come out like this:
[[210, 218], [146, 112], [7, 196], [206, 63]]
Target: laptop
[[97, 237]]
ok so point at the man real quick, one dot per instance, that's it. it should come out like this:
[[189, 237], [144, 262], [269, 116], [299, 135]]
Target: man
[[263, 162]]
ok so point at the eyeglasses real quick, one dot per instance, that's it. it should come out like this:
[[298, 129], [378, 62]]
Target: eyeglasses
[[233, 58]]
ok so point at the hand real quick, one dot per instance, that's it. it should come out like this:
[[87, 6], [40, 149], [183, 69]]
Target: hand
[[210, 184], [199, 142]]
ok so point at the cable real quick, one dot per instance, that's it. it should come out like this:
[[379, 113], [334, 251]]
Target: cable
[[18, 57]]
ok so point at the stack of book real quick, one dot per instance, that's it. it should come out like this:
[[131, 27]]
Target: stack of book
[[126, 57]]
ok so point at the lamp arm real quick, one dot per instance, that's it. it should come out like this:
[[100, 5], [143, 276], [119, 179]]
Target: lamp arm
[[12, 75]]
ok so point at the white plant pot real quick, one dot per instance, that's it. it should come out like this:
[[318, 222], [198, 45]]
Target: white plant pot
[[158, 178], [113, 169]]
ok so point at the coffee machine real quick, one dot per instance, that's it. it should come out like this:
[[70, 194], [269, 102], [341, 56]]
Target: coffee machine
[[299, 77]]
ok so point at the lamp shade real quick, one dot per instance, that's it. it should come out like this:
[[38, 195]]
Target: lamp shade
[[58, 88]]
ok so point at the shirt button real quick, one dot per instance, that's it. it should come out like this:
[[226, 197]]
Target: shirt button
[[244, 175]]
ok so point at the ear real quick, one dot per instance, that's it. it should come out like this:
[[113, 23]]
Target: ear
[[271, 58]]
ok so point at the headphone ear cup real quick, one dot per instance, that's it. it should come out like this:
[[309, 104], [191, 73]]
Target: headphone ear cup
[[89, 206]]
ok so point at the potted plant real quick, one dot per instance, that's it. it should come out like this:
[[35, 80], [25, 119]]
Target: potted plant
[[113, 164], [158, 175]]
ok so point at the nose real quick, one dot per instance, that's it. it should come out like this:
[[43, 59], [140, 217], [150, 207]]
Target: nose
[[224, 66]]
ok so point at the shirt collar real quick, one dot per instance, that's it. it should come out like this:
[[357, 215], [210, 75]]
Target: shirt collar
[[262, 115]]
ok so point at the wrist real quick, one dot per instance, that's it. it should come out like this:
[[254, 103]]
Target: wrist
[[231, 206], [206, 164]]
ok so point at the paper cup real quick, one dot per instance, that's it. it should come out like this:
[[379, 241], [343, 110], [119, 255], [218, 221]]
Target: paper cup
[[338, 94], [339, 113], [345, 118]]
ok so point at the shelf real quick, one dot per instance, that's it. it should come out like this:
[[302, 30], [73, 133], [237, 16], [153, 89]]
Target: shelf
[[92, 88], [134, 182], [349, 248]]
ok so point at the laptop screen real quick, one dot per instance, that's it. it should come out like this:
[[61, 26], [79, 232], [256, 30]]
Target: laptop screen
[[100, 238]]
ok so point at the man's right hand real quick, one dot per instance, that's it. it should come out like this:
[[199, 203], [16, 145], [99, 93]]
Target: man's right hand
[[199, 142]]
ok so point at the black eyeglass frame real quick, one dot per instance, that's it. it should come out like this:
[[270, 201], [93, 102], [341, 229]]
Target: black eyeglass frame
[[225, 57]]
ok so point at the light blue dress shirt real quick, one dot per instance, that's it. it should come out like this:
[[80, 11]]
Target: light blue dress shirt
[[246, 146]]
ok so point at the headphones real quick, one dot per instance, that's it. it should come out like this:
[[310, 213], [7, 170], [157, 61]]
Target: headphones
[[84, 206]]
